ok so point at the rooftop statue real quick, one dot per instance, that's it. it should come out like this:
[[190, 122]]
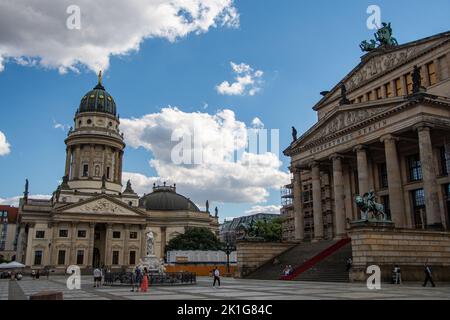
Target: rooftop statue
[[294, 134], [383, 37], [367, 205]]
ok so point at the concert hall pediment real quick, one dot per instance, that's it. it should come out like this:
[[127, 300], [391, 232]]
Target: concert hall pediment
[[102, 205], [339, 121]]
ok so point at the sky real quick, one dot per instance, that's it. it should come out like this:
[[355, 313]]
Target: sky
[[214, 66]]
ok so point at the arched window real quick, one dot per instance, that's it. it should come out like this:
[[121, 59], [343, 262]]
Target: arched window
[[85, 170]]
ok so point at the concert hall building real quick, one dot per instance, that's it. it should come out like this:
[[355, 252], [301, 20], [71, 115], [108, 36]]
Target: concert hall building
[[376, 131]]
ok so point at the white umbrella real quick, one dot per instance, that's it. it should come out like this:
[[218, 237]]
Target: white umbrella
[[12, 265]]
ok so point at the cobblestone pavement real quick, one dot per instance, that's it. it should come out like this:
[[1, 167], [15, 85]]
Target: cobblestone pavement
[[231, 289]]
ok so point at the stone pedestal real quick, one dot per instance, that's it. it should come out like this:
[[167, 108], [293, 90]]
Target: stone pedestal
[[381, 244], [152, 263]]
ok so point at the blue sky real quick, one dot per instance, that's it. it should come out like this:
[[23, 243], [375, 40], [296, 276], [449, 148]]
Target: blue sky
[[302, 48]]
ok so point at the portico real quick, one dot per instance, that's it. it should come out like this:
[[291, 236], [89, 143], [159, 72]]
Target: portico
[[375, 133]]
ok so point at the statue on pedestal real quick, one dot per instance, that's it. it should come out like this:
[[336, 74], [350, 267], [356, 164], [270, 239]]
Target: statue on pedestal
[[367, 204], [150, 241]]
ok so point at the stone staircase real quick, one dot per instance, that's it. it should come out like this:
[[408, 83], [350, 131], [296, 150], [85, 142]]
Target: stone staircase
[[320, 261]]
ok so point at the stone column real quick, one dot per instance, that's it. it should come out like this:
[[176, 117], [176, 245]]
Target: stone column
[[396, 201], [425, 76], [393, 89], [29, 254], [338, 189], [429, 178], [298, 206], [20, 244], [126, 255], [120, 166], [116, 166], [143, 252], [53, 249], [76, 163], [317, 201], [163, 241], [73, 243], [91, 160], [437, 67], [90, 259], [68, 156], [108, 248], [363, 169], [404, 85], [348, 198]]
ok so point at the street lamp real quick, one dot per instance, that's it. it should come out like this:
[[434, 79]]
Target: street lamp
[[228, 249]]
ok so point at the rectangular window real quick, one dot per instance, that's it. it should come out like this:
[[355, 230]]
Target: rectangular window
[[116, 234], [81, 233], [61, 257], [378, 93], [133, 235], [409, 83], [431, 69], [388, 88], [386, 205], [80, 257], [415, 168], [107, 172], [85, 170], [132, 257], [382, 171], [418, 197], [444, 160], [40, 234], [398, 87], [115, 258], [38, 257], [63, 233]]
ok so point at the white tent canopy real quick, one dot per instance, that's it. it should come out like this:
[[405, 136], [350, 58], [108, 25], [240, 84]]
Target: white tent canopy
[[11, 265]]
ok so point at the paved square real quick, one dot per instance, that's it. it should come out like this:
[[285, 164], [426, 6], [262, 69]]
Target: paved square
[[231, 289]]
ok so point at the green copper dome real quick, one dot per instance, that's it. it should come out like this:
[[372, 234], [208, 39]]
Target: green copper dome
[[98, 100]]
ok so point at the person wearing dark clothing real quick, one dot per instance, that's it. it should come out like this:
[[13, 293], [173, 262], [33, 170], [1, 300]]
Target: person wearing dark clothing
[[428, 276], [216, 274]]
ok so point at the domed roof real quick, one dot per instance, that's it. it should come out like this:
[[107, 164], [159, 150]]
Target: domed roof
[[98, 100], [166, 198]]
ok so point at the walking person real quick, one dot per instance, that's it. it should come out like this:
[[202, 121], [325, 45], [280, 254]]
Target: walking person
[[428, 276], [349, 264], [216, 275], [97, 277], [144, 282], [397, 275], [133, 281]]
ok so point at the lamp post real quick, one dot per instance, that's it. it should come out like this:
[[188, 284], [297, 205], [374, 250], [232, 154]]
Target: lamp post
[[228, 249]]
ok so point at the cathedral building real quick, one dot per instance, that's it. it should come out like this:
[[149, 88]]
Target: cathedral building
[[91, 220]]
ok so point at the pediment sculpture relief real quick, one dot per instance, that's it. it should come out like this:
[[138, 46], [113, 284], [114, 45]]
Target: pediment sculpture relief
[[344, 120]]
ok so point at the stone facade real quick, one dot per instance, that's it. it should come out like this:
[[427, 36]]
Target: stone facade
[[410, 249], [91, 220], [387, 139], [252, 255]]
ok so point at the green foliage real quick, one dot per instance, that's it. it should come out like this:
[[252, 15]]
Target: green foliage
[[195, 239], [270, 231]]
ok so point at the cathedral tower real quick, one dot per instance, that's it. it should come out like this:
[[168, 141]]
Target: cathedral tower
[[95, 145]]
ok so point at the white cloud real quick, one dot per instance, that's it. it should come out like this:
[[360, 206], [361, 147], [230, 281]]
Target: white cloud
[[219, 178], [35, 32], [263, 209], [63, 127], [4, 145], [247, 81], [14, 201]]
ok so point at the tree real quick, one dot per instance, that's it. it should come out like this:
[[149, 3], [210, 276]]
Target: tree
[[270, 231], [195, 239]]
